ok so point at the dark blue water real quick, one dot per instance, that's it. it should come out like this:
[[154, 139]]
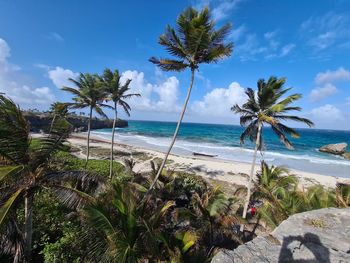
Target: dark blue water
[[223, 140]]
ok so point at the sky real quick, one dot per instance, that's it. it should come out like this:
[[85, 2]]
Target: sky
[[43, 43]]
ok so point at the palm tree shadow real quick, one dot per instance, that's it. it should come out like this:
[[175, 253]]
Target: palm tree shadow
[[312, 245]]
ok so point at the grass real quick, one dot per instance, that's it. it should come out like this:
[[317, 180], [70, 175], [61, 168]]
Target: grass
[[159, 160], [63, 160]]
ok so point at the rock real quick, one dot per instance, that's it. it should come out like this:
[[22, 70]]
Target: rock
[[42, 121], [338, 148], [315, 236], [346, 155]]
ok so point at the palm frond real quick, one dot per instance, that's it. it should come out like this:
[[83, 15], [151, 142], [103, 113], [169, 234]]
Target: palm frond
[[5, 208], [169, 64]]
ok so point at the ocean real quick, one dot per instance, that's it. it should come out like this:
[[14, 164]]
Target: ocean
[[223, 141]]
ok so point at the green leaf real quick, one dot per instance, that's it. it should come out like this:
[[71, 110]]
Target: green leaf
[[6, 207], [7, 170]]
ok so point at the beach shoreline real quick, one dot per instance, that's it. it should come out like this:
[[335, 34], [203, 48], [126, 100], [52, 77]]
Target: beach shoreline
[[233, 172]]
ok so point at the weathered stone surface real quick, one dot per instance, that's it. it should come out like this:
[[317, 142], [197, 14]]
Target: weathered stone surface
[[337, 148], [316, 236], [38, 122]]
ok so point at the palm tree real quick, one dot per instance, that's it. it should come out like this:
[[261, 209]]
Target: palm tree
[[343, 194], [193, 43], [267, 107], [211, 205], [90, 93], [23, 173], [59, 110], [275, 187], [117, 93]]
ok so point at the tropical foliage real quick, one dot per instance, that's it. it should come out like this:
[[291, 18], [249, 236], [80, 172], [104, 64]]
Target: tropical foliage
[[55, 207], [23, 173]]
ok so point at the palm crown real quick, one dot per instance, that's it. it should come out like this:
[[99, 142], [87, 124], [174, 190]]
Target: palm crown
[[59, 109], [268, 106], [116, 91], [194, 42], [89, 93]]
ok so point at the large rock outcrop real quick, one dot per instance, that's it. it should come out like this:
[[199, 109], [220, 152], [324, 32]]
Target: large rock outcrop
[[316, 236], [337, 148], [41, 122]]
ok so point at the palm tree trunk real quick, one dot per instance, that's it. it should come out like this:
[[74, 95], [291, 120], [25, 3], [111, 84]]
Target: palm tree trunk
[[175, 133], [52, 122], [112, 146], [28, 226], [257, 144], [88, 138]]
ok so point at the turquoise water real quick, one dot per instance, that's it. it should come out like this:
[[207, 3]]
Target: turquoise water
[[223, 141]]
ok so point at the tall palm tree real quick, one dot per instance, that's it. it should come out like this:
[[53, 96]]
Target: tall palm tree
[[89, 93], [195, 41], [267, 107], [117, 93], [23, 172]]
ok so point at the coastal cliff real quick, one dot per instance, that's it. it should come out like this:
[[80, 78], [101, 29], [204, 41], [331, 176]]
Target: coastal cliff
[[315, 236], [42, 121]]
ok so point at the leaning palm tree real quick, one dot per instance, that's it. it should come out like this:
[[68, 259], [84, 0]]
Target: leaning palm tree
[[59, 110], [23, 172], [196, 41], [267, 107], [117, 93], [89, 93]]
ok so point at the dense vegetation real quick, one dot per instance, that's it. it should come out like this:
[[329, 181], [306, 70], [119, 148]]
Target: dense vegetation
[[79, 214], [55, 207]]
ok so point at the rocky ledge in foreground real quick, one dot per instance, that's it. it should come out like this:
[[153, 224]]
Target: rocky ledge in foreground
[[42, 122], [316, 236]]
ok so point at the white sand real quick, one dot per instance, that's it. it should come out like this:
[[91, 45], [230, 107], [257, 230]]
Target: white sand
[[229, 171]]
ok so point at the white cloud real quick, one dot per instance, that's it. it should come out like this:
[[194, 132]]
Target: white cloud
[[220, 9], [55, 36], [223, 9], [60, 77], [237, 33], [329, 116], [168, 93], [287, 49], [325, 81], [252, 47], [327, 112], [12, 85], [160, 97], [320, 93], [340, 74], [219, 101], [4, 50], [324, 31]]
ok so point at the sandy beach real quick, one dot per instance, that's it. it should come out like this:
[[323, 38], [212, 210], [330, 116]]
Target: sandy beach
[[207, 167]]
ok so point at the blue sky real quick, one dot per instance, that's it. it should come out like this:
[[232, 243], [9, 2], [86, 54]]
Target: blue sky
[[42, 43]]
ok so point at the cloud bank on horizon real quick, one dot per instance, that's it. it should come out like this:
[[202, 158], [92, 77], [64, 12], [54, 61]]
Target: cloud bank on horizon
[[319, 41]]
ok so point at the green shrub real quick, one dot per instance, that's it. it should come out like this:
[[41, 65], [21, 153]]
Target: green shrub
[[64, 161]]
